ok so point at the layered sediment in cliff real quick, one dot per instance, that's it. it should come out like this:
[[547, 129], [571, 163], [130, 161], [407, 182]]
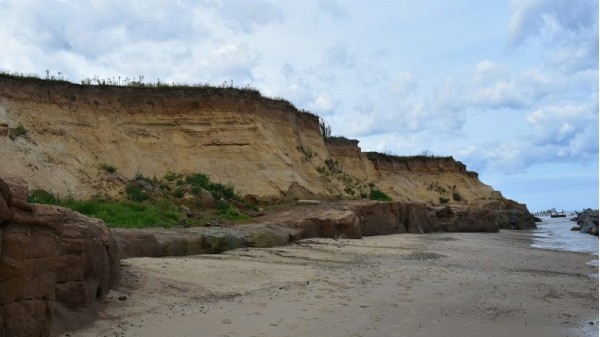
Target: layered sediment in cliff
[[57, 135]]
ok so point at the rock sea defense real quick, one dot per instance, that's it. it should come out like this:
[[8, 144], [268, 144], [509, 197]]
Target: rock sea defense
[[587, 222], [56, 265]]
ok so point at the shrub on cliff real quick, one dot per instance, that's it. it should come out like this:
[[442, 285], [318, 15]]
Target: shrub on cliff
[[136, 193], [377, 194], [456, 196]]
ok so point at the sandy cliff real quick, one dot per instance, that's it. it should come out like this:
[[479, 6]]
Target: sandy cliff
[[266, 148]]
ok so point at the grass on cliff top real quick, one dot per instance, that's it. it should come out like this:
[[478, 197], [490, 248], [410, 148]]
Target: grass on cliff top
[[139, 82], [425, 157]]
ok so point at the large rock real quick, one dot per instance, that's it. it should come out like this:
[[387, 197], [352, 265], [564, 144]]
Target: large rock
[[458, 218], [56, 265], [381, 218], [504, 210], [587, 221], [158, 242]]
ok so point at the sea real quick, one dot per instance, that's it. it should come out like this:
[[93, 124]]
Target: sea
[[556, 234]]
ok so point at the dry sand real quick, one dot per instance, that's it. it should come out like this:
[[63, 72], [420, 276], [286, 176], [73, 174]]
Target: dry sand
[[471, 284]]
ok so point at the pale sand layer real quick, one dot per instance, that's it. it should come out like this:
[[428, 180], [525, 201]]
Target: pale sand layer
[[399, 285]]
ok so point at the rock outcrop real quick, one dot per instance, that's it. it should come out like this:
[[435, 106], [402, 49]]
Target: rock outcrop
[[56, 265], [345, 219]]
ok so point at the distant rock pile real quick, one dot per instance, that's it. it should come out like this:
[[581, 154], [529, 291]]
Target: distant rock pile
[[56, 265], [587, 222]]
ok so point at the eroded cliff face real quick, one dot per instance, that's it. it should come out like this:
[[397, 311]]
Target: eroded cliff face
[[266, 148], [421, 178]]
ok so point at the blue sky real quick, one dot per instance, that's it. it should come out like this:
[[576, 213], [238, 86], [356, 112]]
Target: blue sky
[[510, 88]]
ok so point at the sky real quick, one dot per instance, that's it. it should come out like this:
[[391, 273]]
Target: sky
[[510, 88]]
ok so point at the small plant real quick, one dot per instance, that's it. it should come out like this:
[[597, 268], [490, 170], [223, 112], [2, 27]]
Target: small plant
[[219, 190], [198, 181], [108, 168], [377, 194], [136, 193], [172, 176], [140, 177], [308, 152], [19, 131], [43, 197], [178, 193], [444, 200], [349, 190], [325, 128], [456, 196]]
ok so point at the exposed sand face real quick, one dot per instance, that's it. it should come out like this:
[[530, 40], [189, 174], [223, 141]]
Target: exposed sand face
[[399, 285]]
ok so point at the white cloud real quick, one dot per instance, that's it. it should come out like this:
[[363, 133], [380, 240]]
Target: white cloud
[[333, 8], [247, 16], [551, 20], [568, 29]]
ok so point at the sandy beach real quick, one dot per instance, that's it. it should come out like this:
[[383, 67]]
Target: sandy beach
[[468, 284]]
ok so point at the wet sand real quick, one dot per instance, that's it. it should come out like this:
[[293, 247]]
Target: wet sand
[[469, 284]]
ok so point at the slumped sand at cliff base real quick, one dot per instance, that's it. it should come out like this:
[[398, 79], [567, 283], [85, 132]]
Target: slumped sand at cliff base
[[468, 284]]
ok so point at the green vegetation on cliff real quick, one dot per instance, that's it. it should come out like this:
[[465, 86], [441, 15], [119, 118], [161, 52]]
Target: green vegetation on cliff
[[174, 200]]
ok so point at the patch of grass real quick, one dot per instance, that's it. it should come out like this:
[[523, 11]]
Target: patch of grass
[[444, 200], [123, 214], [128, 214], [159, 202], [43, 197]]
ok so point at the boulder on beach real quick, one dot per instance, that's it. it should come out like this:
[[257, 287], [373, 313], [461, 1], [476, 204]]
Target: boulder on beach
[[587, 222]]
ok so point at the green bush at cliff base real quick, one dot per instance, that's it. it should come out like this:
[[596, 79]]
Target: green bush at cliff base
[[122, 214]]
